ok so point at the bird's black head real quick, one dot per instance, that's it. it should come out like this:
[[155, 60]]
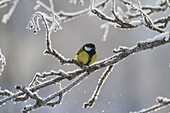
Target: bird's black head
[[89, 46]]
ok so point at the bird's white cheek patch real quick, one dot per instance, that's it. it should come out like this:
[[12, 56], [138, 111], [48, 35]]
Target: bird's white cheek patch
[[87, 48]]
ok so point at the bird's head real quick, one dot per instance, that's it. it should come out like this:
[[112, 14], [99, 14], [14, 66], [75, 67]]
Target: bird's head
[[88, 47]]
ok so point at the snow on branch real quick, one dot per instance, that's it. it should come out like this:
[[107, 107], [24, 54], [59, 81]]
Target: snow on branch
[[5, 93], [162, 103], [163, 36]]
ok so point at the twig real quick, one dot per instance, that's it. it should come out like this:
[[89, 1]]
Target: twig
[[67, 16], [99, 13], [60, 73], [60, 93], [148, 22], [91, 101], [149, 10], [52, 104], [163, 102], [5, 93], [163, 20], [121, 24], [118, 20]]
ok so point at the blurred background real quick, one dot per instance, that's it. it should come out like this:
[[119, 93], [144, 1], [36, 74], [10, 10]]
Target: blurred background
[[133, 85]]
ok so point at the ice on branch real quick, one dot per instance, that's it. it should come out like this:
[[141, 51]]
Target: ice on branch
[[7, 16], [163, 36], [2, 62]]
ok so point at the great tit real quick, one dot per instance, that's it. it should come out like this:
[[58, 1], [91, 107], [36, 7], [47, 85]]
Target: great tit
[[86, 54]]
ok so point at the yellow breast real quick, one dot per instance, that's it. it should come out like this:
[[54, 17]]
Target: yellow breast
[[82, 56]]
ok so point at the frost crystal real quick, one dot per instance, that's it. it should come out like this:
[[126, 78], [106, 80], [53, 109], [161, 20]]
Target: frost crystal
[[2, 62]]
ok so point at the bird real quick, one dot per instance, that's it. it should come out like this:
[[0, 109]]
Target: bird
[[86, 54]]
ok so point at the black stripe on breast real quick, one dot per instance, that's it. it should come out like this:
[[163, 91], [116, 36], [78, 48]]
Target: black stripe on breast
[[91, 53], [88, 61]]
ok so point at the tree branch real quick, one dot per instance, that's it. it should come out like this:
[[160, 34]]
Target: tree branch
[[121, 54], [163, 102], [51, 23], [90, 103]]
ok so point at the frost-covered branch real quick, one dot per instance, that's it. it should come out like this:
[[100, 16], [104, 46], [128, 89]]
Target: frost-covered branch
[[162, 103], [124, 20], [67, 16], [147, 20], [148, 9], [52, 22], [121, 54], [90, 103], [162, 22], [5, 93]]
